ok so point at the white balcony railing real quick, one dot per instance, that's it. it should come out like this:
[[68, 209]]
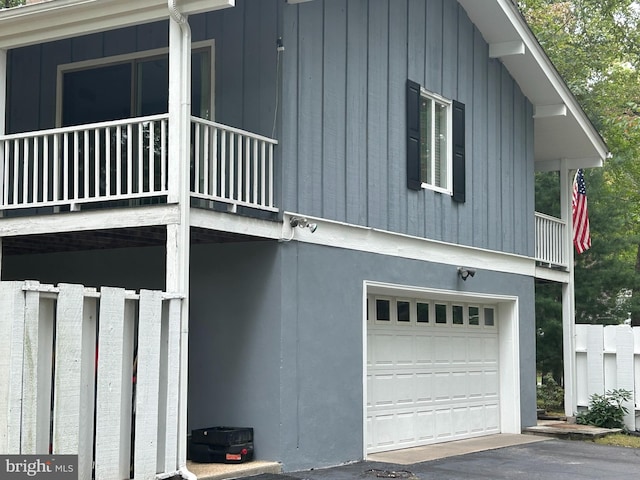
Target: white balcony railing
[[551, 240], [68, 166], [128, 159], [232, 165]]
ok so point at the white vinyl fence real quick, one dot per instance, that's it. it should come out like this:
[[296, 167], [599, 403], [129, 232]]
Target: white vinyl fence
[[608, 358], [93, 373]]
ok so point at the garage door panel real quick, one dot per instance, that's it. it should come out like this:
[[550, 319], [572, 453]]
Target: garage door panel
[[425, 425], [491, 383], [430, 383], [424, 387]]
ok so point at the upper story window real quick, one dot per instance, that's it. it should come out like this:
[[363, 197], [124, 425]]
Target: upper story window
[[129, 86], [435, 143]]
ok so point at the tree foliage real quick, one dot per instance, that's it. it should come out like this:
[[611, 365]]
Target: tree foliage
[[11, 3], [595, 45]]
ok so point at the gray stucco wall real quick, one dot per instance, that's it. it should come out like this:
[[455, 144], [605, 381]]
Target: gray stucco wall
[[277, 342]]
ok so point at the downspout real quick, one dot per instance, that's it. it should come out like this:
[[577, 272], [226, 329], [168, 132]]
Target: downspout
[[183, 240]]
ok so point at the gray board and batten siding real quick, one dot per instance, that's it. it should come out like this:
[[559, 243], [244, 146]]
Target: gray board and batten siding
[[341, 116], [346, 65]]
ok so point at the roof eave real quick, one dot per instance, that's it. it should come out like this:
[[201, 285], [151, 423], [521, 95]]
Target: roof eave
[[562, 129], [57, 19]]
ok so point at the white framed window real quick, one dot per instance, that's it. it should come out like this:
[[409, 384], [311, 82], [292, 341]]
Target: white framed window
[[435, 142], [436, 158]]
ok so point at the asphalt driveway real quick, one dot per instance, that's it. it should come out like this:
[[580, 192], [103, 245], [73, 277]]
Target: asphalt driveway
[[551, 459]]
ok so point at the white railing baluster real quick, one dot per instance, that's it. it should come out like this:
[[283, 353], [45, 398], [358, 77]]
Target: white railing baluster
[[85, 175], [163, 154], [36, 170], [140, 158], [129, 160], [271, 179], [242, 167], [263, 176], [152, 157], [196, 159], [215, 163], [25, 170], [107, 164], [232, 162], [16, 170], [96, 159], [205, 161], [76, 167], [118, 146], [256, 163], [3, 171], [223, 166], [56, 167]]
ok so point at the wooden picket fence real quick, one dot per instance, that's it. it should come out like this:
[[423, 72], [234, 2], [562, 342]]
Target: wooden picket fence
[[92, 373], [608, 358]]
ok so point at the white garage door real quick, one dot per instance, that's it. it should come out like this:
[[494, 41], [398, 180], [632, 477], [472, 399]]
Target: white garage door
[[432, 372]]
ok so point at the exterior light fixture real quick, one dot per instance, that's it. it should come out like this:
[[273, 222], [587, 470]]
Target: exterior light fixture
[[302, 222], [465, 272]]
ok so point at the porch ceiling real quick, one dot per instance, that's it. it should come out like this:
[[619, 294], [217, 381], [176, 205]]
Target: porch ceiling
[[155, 236], [56, 19], [562, 129]]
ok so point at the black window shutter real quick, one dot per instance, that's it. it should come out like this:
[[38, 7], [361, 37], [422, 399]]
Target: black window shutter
[[459, 175], [413, 136]]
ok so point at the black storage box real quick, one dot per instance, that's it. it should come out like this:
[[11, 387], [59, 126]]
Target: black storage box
[[203, 453], [221, 445], [222, 436]]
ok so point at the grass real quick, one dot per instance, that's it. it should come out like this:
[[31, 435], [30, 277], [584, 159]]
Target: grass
[[620, 440]]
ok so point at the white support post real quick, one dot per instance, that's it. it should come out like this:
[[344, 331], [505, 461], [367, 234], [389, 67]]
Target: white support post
[[178, 235], [568, 298], [3, 110]]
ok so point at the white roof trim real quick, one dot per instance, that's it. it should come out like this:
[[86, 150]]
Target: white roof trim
[[569, 136], [56, 19]]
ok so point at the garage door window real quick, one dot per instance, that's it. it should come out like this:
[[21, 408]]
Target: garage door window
[[424, 313], [488, 317]]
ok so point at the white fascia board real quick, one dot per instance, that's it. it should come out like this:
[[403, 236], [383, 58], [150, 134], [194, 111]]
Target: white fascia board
[[57, 19], [225, 222], [91, 220], [372, 240]]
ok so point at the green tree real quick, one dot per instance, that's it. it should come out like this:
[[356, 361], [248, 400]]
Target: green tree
[[11, 3]]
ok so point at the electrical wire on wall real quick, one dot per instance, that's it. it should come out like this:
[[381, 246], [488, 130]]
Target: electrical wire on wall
[[279, 50]]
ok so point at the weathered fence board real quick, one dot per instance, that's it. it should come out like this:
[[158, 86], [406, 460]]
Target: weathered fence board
[[81, 367], [11, 348]]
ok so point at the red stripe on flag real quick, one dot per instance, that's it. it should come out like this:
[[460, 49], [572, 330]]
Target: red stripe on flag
[[581, 234]]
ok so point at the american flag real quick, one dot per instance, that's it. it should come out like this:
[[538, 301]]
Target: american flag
[[581, 235]]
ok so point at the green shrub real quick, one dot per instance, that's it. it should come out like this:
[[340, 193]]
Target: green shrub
[[606, 410], [550, 395]]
